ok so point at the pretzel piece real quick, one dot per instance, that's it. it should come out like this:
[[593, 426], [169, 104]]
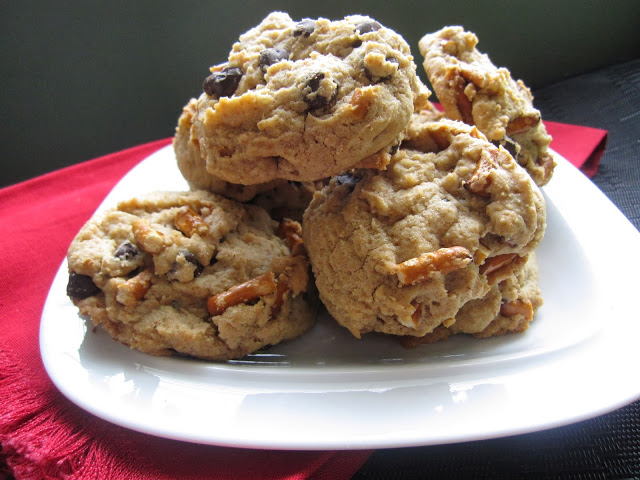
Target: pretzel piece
[[428, 265], [189, 222], [518, 307], [133, 290], [251, 289], [523, 123], [492, 264], [149, 239], [480, 181]]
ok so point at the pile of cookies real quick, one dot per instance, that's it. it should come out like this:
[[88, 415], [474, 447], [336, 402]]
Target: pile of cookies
[[316, 161]]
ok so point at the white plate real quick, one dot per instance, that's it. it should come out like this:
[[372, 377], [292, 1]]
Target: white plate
[[328, 390]]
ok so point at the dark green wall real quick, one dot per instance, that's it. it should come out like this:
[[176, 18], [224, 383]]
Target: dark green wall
[[81, 79]]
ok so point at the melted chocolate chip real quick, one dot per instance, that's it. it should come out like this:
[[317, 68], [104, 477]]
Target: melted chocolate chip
[[223, 83], [270, 56], [305, 28], [509, 145], [314, 82], [368, 26], [356, 44], [126, 251], [317, 101], [177, 267], [81, 286], [191, 258]]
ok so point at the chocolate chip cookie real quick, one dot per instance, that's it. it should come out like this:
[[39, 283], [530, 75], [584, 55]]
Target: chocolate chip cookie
[[191, 273], [281, 198], [305, 100], [472, 89], [401, 251]]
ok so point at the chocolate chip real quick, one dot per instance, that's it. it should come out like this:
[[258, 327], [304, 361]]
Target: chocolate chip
[[177, 272], [314, 82], [305, 28], [356, 44], [191, 258], [270, 56], [368, 26], [223, 83], [81, 286], [509, 145], [313, 99], [126, 251]]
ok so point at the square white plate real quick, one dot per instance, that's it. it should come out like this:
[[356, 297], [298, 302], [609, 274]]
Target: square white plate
[[328, 390]]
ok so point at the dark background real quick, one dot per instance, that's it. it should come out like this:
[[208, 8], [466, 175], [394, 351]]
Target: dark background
[[81, 79]]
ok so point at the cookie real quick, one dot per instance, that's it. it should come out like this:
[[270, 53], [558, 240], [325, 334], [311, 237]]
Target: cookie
[[281, 198], [307, 100], [472, 89], [191, 273], [508, 307], [400, 251]]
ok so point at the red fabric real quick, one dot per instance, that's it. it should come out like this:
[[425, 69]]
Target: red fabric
[[42, 434], [582, 146]]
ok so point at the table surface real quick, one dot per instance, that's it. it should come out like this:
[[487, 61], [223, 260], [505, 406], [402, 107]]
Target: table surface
[[604, 447]]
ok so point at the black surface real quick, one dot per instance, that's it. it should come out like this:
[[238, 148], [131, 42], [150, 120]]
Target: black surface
[[605, 447]]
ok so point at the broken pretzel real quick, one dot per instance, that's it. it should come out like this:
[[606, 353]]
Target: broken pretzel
[[518, 307], [133, 290], [251, 289], [427, 265], [189, 222]]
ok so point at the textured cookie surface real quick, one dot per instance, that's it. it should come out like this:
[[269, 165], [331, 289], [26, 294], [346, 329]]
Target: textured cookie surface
[[472, 89], [281, 198], [401, 251], [191, 273], [508, 307], [307, 100]]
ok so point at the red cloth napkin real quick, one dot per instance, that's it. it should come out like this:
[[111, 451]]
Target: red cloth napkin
[[582, 146], [42, 434]]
